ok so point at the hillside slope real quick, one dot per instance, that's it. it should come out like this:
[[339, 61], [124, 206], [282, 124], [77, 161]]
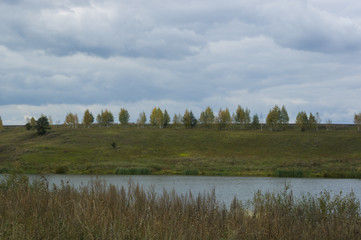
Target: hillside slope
[[321, 153]]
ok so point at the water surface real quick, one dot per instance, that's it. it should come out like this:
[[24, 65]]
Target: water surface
[[226, 188]]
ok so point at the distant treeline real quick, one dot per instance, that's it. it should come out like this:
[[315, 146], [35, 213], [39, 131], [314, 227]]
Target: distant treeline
[[277, 119]]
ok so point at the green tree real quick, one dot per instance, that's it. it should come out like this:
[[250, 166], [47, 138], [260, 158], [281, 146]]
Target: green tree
[[105, 118], [357, 120], [242, 116], [142, 119], [71, 120], [207, 117], [188, 119], [312, 124], [157, 117], [273, 119], [1, 125], [153, 117], [177, 120], [224, 118], [50, 120], [255, 121], [88, 118], [33, 123], [166, 118], [302, 120], [123, 117], [318, 120], [284, 119], [42, 125], [328, 124]]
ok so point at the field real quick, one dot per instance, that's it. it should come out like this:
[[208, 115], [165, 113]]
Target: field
[[198, 151]]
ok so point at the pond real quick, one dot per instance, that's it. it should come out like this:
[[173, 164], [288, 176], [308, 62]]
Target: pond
[[226, 188]]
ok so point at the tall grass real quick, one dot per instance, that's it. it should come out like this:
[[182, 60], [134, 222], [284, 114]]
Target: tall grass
[[99, 211]]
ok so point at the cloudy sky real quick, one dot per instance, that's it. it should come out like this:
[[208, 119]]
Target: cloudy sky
[[69, 55]]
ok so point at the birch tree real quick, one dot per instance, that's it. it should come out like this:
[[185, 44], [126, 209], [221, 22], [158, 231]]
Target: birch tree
[[284, 119], [105, 118], [177, 120], [157, 117], [224, 118], [88, 118], [273, 119], [255, 121], [142, 119], [188, 119], [318, 120], [123, 117], [302, 120], [242, 116], [207, 117], [312, 122], [357, 120], [71, 120]]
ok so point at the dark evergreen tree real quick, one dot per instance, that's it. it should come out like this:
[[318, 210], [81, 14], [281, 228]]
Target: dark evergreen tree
[[42, 125]]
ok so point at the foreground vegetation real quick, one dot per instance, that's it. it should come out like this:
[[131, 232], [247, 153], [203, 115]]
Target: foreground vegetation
[[99, 211], [197, 151]]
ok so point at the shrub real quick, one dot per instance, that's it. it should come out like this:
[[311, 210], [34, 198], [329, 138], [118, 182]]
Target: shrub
[[289, 173], [61, 170], [133, 171], [191, 172]]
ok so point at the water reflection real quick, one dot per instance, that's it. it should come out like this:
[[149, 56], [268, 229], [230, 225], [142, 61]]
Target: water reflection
[[226, 188]]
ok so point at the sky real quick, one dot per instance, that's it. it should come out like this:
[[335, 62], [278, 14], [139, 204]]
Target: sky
[[64, 56]]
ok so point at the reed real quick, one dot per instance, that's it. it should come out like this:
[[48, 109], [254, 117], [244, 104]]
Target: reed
[[35, 210]]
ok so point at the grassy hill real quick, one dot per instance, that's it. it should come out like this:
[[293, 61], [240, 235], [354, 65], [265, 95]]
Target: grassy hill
[[335, 153]]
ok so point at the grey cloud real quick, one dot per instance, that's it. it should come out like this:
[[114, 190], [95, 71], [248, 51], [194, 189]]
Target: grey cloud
[[189, 54]]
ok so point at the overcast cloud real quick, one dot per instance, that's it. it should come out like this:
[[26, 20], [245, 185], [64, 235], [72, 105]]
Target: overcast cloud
[[65, 56]]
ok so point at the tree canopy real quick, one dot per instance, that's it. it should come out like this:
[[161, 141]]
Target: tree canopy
[[105, 118], [123, 117], [142, 119], [166, 118], [242, 116], [357, 120], [224, 118], [277, 119], [207, 117], [72, 120], [88, 118], [188, 119], [157, 117], [302, 120], [42, 125]]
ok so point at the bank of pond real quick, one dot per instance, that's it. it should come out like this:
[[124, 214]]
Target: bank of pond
[[177, 207]]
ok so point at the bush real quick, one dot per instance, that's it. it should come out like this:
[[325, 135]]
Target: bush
[[61, 170], [191, 172], [133, 171], [289, 173]]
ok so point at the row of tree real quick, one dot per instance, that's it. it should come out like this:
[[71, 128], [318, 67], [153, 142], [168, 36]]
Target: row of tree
[[277, 119]]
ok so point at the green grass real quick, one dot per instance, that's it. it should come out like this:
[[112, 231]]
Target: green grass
[[198, 151]]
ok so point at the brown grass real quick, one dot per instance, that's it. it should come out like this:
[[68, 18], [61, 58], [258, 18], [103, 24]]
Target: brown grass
[[99, 211]]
